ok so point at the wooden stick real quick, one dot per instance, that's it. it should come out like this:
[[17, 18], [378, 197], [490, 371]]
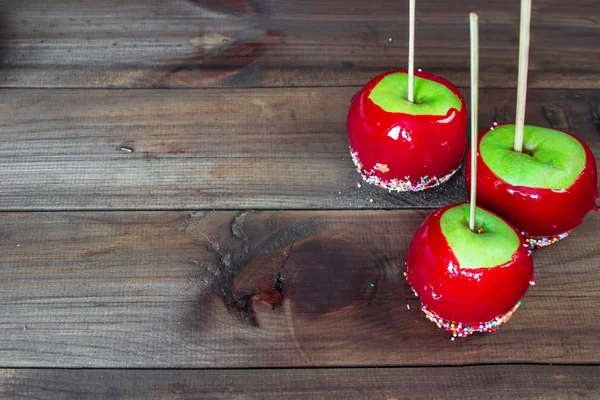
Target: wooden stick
[[474, 27], [411, 51], [523, 68]]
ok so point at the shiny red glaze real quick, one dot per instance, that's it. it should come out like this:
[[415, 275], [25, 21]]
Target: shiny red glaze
[[429, 146], [469, 296], [536, 211]]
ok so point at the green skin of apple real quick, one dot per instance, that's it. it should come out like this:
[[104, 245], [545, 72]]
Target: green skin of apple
[[544, 191], [550, 159], [430, 97], [493, 245], [465, 276]]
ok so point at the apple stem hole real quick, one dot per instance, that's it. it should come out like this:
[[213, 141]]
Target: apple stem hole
[[478, 228], [414, 100], [529, 152]]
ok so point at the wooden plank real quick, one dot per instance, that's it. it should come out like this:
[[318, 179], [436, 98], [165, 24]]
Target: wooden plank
[[476, 382], [193, 43], [262, 289], [209, 148]]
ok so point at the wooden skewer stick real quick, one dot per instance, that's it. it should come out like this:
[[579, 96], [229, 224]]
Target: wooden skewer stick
[[474, 28], [523, 68], [411, 51]]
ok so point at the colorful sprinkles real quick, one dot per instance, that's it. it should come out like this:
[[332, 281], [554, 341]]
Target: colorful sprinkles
[[398, 185], [458, 329], [537, 242]]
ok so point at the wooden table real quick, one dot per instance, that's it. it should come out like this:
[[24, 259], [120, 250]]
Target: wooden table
[[180, 216]]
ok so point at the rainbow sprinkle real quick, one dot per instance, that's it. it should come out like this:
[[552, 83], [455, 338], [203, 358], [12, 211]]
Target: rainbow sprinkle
[[537, 242], [398, 185], [459, 329]]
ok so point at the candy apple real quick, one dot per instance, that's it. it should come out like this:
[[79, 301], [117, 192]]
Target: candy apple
[[468, 281], [404, 146], [546, 190]]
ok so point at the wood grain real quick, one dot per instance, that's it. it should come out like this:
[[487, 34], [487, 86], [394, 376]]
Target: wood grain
[[477, 382], [193, 43], [262, 289], [210, 148]]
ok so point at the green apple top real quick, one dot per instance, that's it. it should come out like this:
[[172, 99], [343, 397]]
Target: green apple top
[[550, 159], [431, 98], [494, 245]]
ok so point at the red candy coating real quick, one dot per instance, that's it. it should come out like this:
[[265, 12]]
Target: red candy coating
[[537, 211], [423, 146], [468, 296]]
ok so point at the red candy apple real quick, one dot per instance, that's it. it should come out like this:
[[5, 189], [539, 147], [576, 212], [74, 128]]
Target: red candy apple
[[468, 281], [546, 190], [404, 146]]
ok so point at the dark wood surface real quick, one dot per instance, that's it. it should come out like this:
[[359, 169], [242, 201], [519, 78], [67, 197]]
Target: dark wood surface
[[262, 289], [139, 136], [218, 149], [471, 383], [232, 43]]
